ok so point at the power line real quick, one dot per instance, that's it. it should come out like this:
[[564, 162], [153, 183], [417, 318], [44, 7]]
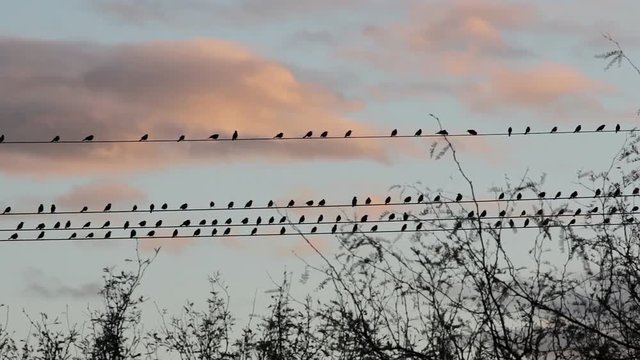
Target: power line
[[410, 202], [216, 138], [279, 234]]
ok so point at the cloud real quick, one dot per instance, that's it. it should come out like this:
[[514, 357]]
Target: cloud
[[195, 87], [97, 194], [39, 284]]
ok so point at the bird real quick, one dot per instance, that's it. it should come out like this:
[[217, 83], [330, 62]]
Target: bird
[[573, 195], [181, 138], [314, 229], [151, 207], [394, 132], [132, 233], [321, 202], [186, 223], [519, 196], [283, 219], [230, 205], [458, 197], [203, 222], [84, 209], [470, 214], [158, 223], [245, 221], [214, 136], [436, 199], [558, 194], [617, 193], [164, 206], [577, 212], [483, 213], [282, 230], [271, 220], [511, 223], [502, 213], [407, 199], [13, 236], [214, 222], [57, 225], [270, 204], [196, 233], [509, 131], [106, 224], [405, 216], [228, 221], [227, 231], [320, 218], [107, 207], [324, 134], [617, 127], [497, 224], [354, 201], [600, 128], [355, 228], [144, 137], [527, 130], [184, 206], [73, 236], [333, 229], [573, 221], [387, 200], [279, 135], [259, 220], [53, 208], [55, 139], [88, 138], [577, 129], [636, 191], [364, 218], [541, 195], [404, 227], [418, 133], [418, 227], [309, 203], [86, 225], [338, 218], [40, 208], [554, 129], [67, 225], [442, 132], [7, 210], [143, 223], [151, 233], [598, 192], [254, 231], [291, 203], [420, 198], [347, 134], [40, 226], [235, 135], [392, 216], [472, 132], [89, 235], [367, 201], [248, 204], [501, 196], [107, 235], [301, 220], [175, 233], [308, 134], [20, 225]]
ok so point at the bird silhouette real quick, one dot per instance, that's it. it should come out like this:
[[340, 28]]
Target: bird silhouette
[[338, 218], [57, 225], [405, 216], [511, 223], [617, 193], [541, 195], [270, 204], [126, 225], [354, 228], [558, 194], [134, 208], [364, 218], [84, 209], [309, 203], [407, 199], [55, 139], [184, 206], [212, 204], [164, 206], [354, 201], [67, 225], [308, 134], [143, 223], [301, 220], [214, 232], [442, 132], [387, 200], [436, 199], [214, 222], [73, 236], [86, 225], [245, 221], [186, 223], [144, 137], [107, 207], [132, 233], [501, 196], [420, 198], [472, 132], [545, 222], [235, 135], [175, 233], [418, 227], [248, 204], [227, 231], [89, 235], [597, 193], [470, 214], [394, 132], [106, 224], [519, 196], [367, 201], [483, 213], [13, 236], [181, 138], [230, 205], [40, 226], [333, 229], [158, 223], [391, 216], [88, 138], [320, 218], [259, 220], [228, 221], [283, 219], [271, 220], [324, 134], [617, 127], [497, 224], [196, 233], [527, 130], [321, 202], [53, 208], [577, 129], [347, 134], [314, 229], [594, 210], [291, 203], [107, 235], [282, 230], [151, 233], [418, 133], [202, 222], [573, 221], [573, 195], [214, 136], [600, 128], [254, 231], [458, 197], [279, 135], [526, 222], [554, 129], [151, 208], [20, 225], [502, 213], [635, 191], [509, 131], [404, 227], [40, 208]]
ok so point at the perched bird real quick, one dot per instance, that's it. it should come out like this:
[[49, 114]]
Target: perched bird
[[283, 219], [545, 222], [418, 227], [53, 208], [527, 130], [320, 218], [175, 233], [600, 128], [1, 138], [470, 214], [309, 203], [558, 194], [314, 229], [324, 134], [577, 129], [405, 216], [143, 223], [40, 226], [392, 216], [501, 196], [367, 201], [259, 220], [181, 138], [497, 224], [106, 224], [502, 213], [144, 137], [271, 220], [404, 227], [107, 235], [41, 235], [394, 132], [458, 197], [597, 193], [55, 139], [301, 220], [333, 229], [617, 193], [184, 206], [158, 223], [511, 223], [235, 135], [248, 204], [282, 230], [151, 233], [418, 133], [228, 221], [132, 233], [20, 225], [420, 198], [542, 195], [436, 199], [73, 236], [308, 134], [354, 201], [364, 218], [196, 233], [519, 196], [214, 136], [230, 205], [88, 138], [214, 232], [573, 221], [573, 195], [442, 132], [338, 218], [227, 231], [40, 208], [554, 129], [483, 213], [254, 231], [321, 202], [472, 132], [291, 203], [186, 223], [270, 204], [355, 228], [279, 135], [84, 209], [245, 221], [347, 134], [407, 199], [387, 200], [164, 206], [67, 225], [203, 222], [594, 210], [107, 207], [89, 235], [212, 204], [86, 225], [13, 236], [214, 222], [57, 225], [617, 127], [509, 131], [151, 208]]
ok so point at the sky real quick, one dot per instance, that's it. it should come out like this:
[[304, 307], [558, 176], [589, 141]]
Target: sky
[[120, 69]]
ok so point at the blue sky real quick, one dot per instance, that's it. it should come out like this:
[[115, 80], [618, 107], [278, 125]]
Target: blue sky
[[164, 67]]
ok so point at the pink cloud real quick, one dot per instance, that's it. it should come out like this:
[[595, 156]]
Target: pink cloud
[[196, 88]]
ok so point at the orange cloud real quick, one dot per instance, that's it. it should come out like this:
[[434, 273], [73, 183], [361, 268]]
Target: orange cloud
[[165, 89]]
